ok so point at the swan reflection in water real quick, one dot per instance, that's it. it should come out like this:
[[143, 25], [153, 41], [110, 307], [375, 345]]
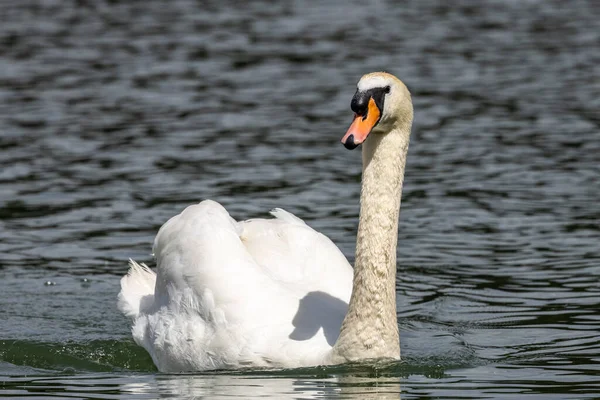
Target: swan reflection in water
[[229, 386]]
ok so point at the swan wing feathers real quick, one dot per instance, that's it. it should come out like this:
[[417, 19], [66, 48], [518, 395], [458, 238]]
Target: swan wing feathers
[[288, 217], [200, 249], [204, 247], [298, 257], [226, 293]]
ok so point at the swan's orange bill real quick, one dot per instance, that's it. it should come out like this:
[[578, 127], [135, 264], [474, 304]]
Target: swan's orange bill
[[362, 125]]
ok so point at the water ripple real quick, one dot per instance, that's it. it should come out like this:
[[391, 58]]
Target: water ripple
[[117, 115]]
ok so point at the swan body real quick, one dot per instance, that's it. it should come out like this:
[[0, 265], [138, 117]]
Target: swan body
[[232, 294], [274, 292]]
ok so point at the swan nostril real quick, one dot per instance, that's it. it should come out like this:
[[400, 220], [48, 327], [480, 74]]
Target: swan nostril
[[349, 143]]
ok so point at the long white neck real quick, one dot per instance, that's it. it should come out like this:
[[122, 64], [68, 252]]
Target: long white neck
[[370, 328]]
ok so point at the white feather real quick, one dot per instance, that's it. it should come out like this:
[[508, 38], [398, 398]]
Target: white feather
[[264, 292], [137, 289]]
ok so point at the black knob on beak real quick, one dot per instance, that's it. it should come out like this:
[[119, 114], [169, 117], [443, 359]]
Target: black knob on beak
[[360, 102]]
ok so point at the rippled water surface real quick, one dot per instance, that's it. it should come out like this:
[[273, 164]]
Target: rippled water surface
[[115, 115]]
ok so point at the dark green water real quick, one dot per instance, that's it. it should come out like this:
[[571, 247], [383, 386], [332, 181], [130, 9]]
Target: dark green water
[[115, 115]]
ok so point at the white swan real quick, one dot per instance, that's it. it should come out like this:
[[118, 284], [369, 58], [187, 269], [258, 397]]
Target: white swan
[[275, 292]]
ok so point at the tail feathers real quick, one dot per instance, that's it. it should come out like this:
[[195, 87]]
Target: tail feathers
[[137, 290]]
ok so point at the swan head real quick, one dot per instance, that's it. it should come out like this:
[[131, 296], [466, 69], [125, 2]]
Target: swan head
[[380, 104]]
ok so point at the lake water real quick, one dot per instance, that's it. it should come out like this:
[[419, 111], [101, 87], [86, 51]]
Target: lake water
[[115, 115]]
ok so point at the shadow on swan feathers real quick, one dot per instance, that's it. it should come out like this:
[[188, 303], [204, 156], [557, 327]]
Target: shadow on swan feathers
[[316, 310]]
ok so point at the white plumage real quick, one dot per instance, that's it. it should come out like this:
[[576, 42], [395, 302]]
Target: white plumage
[[274, 292], [263, 292]]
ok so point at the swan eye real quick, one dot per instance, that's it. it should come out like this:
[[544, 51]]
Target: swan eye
[[387, 89]]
